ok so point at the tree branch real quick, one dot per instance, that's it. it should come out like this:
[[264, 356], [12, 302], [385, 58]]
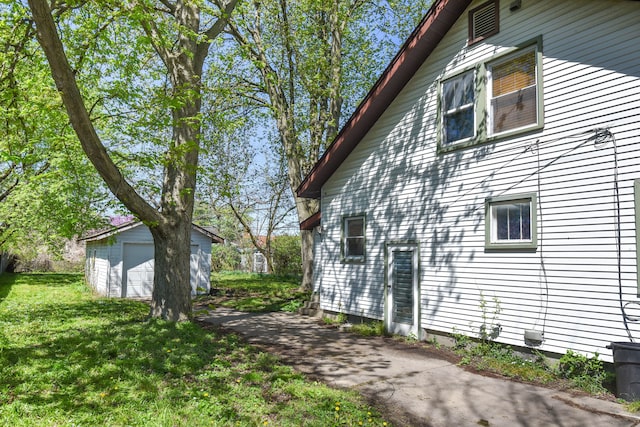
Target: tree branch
[[78, 115]]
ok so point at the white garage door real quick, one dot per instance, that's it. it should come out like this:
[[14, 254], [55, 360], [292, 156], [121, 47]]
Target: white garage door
[[138, 270]]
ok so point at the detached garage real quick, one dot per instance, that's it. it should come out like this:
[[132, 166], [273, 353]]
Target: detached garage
[[119, 261]]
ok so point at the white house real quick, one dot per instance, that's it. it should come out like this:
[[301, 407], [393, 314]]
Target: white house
[[490, 180], [119, 261]]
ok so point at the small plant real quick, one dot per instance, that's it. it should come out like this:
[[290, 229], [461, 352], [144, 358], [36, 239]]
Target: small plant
[[292, 306], [461, 341], [341, 318], [370, 329], [633, 406], [434, 342], [490, 328], [328, 320], [411, 338], [338, 319], [587, 373]]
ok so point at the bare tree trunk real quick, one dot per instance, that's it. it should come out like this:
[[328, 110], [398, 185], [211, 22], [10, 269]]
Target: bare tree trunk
[[306, 208], [171, 225], [171, 295], [307, 259]]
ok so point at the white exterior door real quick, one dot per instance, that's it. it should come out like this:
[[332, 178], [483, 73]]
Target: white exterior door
[[402, 311], [137, 267]]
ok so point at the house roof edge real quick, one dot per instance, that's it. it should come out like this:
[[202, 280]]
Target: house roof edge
[[415, 50]]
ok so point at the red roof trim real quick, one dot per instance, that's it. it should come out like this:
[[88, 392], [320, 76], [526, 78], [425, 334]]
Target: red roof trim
[[438, 20], [311, 222]]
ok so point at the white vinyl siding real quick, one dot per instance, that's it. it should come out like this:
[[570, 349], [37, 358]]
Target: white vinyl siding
[[568, 286]]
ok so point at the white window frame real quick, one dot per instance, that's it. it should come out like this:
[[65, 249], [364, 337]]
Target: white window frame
[[346, 256], [491, 225]]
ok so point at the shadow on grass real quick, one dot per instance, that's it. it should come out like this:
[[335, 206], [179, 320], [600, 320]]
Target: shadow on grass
[[258, 293], [39, 279], [251, 282], [89, 357], [69, 358]]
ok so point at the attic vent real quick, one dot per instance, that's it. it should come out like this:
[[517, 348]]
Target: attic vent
[[483, 21]]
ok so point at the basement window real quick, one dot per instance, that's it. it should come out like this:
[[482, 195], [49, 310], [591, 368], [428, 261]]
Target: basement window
[[484, 21]]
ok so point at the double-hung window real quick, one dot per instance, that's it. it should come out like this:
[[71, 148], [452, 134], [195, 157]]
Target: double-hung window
[[513, 92], [510, 222], [493, 99], [353, 244], [458, 109]]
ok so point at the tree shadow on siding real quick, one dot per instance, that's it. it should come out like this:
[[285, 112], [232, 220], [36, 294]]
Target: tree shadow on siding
[[409, 192]]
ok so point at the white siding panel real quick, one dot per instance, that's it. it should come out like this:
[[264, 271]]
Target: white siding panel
[[569, 286]]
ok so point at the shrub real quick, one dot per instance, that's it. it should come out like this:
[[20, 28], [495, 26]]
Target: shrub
[[287, 259], [224, 258]]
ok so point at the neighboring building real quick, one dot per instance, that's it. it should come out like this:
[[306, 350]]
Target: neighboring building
[[119, 261], [490, 180], [252, 260]]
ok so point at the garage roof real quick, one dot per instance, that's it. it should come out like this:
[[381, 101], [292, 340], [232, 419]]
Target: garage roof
[[103, 234]]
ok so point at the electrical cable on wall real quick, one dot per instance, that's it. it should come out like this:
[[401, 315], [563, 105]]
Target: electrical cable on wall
[[601, 138], [543, 267]]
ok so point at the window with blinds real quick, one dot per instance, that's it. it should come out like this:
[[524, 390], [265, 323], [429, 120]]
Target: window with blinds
[[513, 93], [484, 21]]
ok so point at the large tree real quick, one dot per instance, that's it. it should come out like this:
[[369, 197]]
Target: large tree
[[131, 73], [48, 190], [307, 62]]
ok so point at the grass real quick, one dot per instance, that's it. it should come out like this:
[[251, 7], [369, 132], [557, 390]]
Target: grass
[[68, 358], [258, 292], [572, 372], [492, 357], [368, 329]]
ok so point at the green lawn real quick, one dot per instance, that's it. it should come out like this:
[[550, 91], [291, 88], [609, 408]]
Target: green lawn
[[258, 292], [68, 358]]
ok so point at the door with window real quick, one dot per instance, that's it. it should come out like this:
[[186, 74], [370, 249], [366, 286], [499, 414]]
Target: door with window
[[402, 311]]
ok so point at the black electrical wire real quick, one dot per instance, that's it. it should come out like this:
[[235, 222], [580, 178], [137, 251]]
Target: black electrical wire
[[601, 137]]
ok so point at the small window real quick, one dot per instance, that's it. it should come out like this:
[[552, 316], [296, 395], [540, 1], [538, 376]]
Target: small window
[[354, 238], [484, 21], [510, 222], [458, 109], [513, 92]]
